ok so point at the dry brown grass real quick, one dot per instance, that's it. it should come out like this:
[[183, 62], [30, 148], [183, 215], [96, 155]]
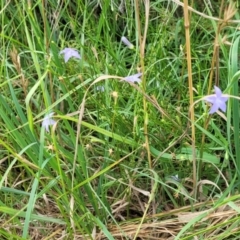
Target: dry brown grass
[[212, 224]]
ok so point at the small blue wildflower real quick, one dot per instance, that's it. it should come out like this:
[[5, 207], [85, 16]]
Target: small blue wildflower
[[48, 121], [134, 78], [100, 88], [175, 177], [218, 101], [126, 42], [70, 52]]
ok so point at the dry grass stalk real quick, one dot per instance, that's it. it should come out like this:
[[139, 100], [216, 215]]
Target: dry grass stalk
[[17, 64]]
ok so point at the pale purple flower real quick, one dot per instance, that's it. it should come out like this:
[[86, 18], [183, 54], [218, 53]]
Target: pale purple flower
[[126, 42], [48, 121], [70, 52], [175, 177], [100, 88], [218, 101], [134, 78]]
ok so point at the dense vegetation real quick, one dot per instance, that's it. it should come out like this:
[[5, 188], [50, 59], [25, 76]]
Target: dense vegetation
[[102, 138]]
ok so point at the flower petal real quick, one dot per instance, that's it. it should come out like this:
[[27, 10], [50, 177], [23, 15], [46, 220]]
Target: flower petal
[[218, 91], [48, 121], [222, 106], [70, 52], [133, 78], [67, 57], [214, 108], [210, 99], [126, 42], [224, 98], [100, 88]]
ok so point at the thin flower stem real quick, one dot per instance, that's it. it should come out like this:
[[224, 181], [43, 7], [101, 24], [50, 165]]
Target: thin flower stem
[[190, 85], [142, 42], [215, 52], [214, 64], [47, 40]]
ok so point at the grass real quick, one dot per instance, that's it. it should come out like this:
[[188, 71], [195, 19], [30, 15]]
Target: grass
[[123, 160]]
